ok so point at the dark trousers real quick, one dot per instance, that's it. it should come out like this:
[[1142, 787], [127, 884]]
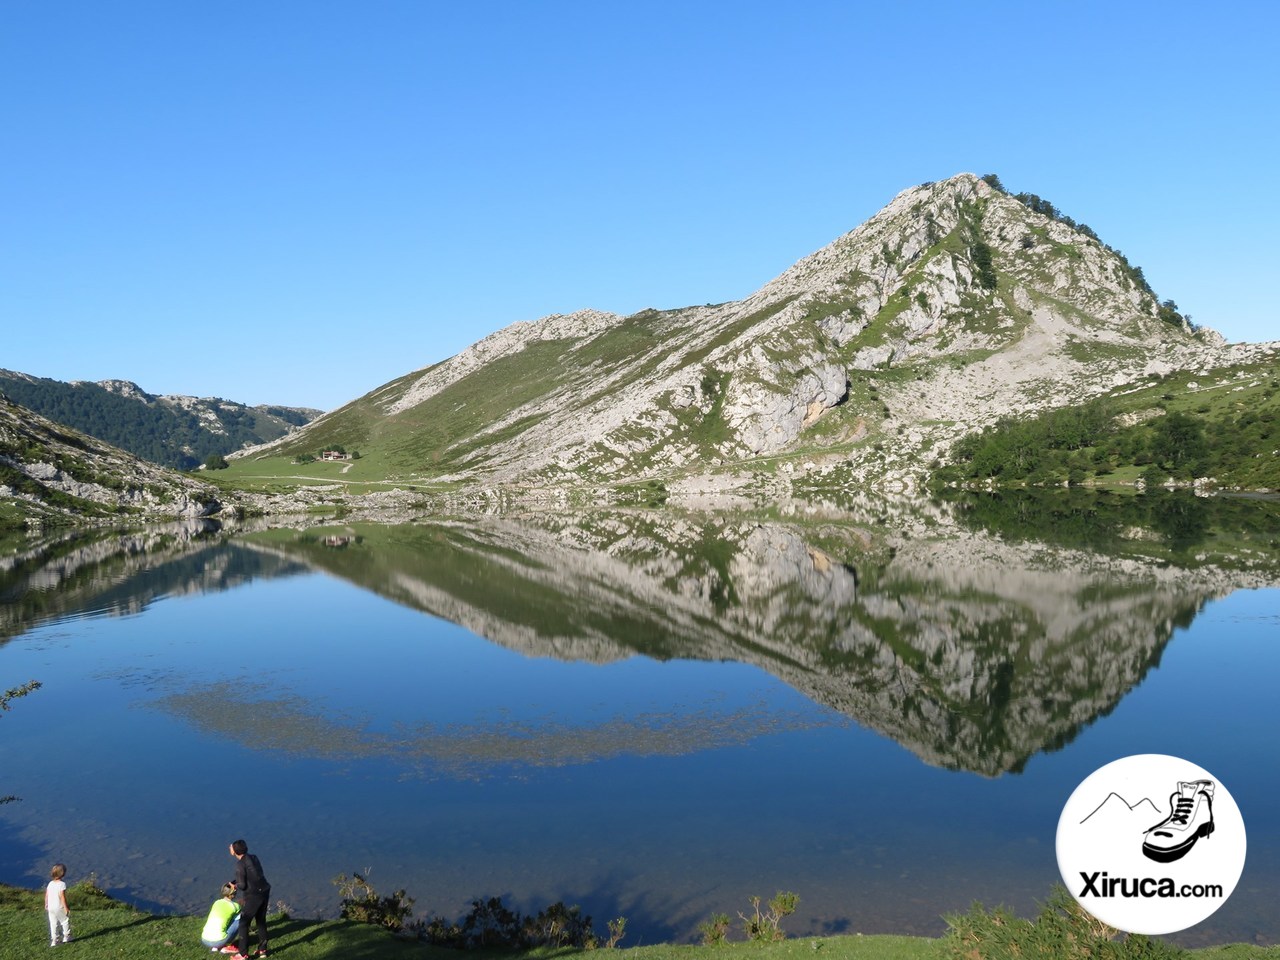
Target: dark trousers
[[253, 908]]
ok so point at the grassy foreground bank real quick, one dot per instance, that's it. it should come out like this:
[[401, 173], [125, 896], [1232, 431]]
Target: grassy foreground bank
[[105, 928]]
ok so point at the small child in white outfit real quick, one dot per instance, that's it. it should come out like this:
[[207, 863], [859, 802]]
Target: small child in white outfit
[[55, 903]]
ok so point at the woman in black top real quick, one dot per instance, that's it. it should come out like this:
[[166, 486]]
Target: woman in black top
[[255, 894]]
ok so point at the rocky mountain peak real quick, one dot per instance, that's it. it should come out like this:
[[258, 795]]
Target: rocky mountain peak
[[124, 388], [954, 305]]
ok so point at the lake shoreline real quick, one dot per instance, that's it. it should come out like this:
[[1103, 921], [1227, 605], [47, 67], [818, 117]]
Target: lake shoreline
[[96, 914]]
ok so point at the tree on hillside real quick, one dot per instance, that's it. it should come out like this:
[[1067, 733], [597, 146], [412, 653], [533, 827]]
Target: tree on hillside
[[1168, 312], [1037, 204], [981, 254], [1178, 441]]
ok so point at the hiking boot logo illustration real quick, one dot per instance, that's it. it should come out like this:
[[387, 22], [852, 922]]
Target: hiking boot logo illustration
[[1190, 818]]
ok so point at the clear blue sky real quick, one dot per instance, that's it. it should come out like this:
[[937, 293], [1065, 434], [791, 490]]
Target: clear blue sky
[[294, 202]]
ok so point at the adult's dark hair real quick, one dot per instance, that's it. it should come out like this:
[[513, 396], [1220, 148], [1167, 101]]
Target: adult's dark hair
[[239, 848]]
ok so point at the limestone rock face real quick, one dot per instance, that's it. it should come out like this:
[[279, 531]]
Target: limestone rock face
[[769, 414], [127, 388], [871, 358], [56, 472], [952, 307]]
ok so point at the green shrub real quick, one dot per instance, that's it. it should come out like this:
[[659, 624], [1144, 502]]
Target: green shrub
[[1063, 930], [716, 930], [617, 930], [558, 926], [491, 925], [767, 924], [361, 903]]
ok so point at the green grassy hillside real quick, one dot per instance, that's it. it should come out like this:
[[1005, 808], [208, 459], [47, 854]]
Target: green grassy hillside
[[1224, 425]]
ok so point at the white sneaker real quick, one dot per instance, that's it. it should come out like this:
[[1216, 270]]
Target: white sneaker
[[1190, 818]]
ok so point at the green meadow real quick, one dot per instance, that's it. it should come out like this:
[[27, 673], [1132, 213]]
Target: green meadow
[[104, 928]]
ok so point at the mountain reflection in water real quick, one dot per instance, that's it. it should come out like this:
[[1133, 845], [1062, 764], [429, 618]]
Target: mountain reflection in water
[[971, 652], [959, 633]]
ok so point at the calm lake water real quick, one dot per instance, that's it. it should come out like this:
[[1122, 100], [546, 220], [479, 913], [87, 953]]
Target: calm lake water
[[651, 715]]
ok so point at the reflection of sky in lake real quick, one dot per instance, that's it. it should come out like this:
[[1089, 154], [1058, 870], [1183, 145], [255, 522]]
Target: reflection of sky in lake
[[337, 731]]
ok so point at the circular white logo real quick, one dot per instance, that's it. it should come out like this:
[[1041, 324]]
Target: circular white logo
[[1151, 844]]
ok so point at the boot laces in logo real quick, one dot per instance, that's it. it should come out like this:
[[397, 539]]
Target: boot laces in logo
[[1190, 818]]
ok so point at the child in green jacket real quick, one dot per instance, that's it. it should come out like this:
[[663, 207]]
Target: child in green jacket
[[223, 923]]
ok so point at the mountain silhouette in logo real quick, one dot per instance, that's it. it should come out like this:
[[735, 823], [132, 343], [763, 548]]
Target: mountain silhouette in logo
[[1115, 810]]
